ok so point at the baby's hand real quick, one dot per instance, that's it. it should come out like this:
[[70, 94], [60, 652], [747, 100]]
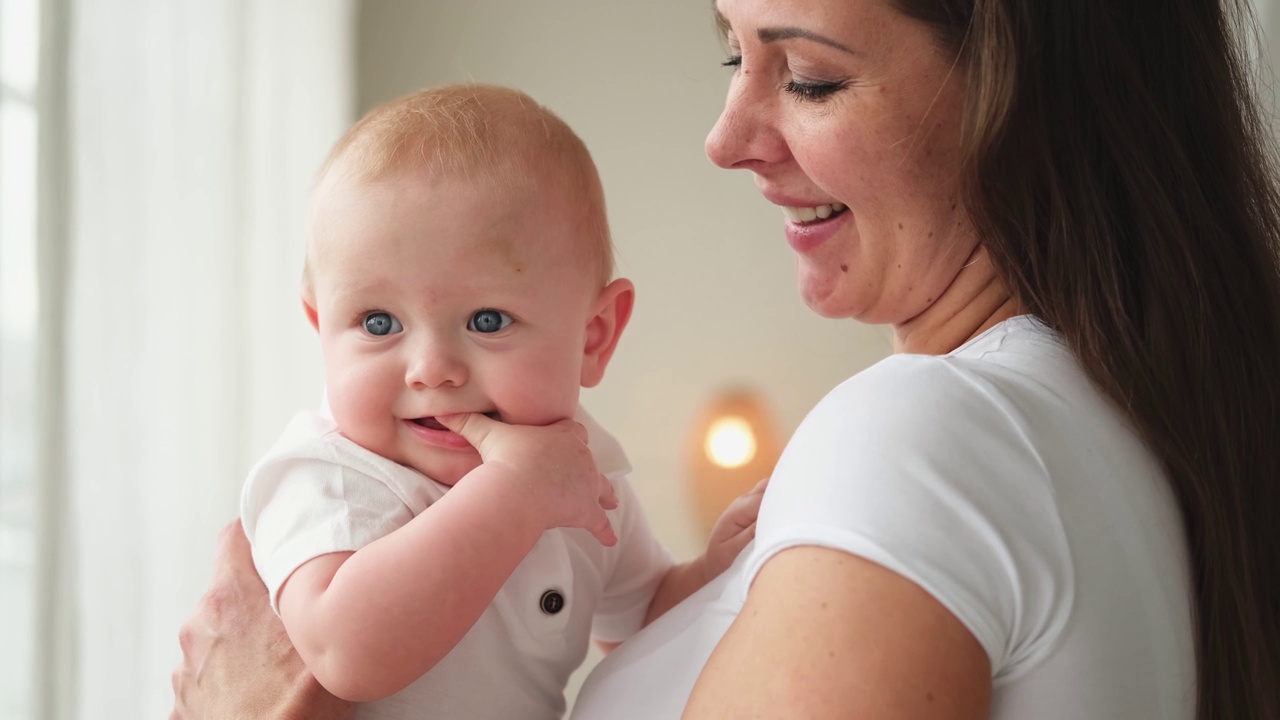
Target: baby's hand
[[549, 466], [735, 528]]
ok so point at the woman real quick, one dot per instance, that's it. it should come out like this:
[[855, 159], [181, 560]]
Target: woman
[[1056, 500]]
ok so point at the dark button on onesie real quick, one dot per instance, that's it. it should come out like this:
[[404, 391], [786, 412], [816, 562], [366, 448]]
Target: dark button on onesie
[[552, 602]]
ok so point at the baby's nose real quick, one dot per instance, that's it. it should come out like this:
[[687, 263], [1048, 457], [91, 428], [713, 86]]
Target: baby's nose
[[435, 368]]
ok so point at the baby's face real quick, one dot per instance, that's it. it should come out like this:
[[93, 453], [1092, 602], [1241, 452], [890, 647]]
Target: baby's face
[[436, 297]]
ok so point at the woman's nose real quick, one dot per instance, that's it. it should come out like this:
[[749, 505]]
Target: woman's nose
[[743, 137], [435, 367]]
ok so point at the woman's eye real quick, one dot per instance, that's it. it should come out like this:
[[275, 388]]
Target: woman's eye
[[381, 324], [812, 91], [488, 321], [732, 61]]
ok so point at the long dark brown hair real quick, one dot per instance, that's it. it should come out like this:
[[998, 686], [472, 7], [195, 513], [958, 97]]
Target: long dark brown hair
[[1121, 175]]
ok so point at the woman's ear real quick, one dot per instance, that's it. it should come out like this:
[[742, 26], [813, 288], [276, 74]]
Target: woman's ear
[[309, 306], [604, 327]]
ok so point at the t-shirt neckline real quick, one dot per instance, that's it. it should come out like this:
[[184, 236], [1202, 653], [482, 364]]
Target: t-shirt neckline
[[1017, 322]]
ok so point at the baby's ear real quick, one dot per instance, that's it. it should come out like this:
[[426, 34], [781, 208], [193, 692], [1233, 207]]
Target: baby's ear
[[604, 327], [309, 306]]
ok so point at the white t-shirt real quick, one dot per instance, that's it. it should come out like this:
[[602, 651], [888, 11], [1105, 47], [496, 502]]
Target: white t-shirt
[[1003, 483], [317, 492]]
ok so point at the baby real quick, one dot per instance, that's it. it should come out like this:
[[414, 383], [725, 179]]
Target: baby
[[459, 274]]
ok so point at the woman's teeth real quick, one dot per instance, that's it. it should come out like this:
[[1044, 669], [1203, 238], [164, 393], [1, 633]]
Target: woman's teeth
[[809, 214]]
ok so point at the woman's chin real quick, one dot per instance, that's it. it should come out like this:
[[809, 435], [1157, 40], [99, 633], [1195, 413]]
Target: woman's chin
[[828, 296]]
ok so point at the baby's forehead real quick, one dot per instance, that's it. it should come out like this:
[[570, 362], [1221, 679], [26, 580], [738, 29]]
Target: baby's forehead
[[516, 219]]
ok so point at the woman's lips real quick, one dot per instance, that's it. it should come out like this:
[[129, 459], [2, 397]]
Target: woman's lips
[[806, 236]]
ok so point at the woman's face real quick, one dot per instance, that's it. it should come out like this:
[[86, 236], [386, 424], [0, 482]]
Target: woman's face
[[848, 114]]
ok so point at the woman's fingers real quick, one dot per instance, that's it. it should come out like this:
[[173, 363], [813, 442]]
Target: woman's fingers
[[237, 661]]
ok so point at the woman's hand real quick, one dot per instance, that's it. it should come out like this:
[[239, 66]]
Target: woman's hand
[[237, 661], [550, 466]]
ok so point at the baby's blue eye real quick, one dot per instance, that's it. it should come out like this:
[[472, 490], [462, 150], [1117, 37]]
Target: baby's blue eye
[[488, 321], [380, 324]]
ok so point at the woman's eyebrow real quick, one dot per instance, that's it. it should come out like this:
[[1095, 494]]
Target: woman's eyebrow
[[722, 25], [768, 35]]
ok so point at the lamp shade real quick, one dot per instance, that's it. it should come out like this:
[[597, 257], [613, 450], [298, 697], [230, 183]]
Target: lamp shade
[[733, 445]]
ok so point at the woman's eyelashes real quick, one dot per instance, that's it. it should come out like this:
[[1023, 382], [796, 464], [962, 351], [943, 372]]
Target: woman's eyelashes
[[381, 324], [813, 90], [803, 90], [489, 321]]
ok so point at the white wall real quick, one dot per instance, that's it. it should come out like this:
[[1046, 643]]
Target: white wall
[[641, 82]]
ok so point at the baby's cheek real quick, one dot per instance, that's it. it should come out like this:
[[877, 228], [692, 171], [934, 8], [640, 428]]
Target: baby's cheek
[[540, 398], [359, 406]]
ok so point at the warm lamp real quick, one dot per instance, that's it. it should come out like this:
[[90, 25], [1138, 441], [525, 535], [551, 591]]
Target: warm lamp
[[734, 446]]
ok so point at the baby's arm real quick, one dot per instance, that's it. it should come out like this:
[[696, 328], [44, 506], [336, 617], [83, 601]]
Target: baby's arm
[[735, 528], [369, 623]]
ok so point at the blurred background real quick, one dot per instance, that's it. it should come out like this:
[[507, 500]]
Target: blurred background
[[155, 158]]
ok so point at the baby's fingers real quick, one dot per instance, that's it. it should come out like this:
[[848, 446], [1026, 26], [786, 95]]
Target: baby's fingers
[[744, 510], [602, 529], [608, 499], [732, 546], [473, 427]]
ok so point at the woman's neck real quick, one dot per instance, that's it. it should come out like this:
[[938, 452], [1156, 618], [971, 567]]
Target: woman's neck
[[976, 300]]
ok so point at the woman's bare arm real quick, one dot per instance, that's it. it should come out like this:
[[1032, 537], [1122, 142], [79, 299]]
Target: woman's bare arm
[[237, 661], [826, 634]]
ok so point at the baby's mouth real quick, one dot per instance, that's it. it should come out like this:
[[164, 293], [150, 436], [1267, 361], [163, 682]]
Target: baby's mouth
[[428, 422], [433, 424]]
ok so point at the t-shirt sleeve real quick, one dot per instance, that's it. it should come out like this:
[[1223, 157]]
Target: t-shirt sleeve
[[921, 466], [309, 500]]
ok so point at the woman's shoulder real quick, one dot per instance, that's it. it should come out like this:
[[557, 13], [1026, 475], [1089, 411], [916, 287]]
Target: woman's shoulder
[[932, 466], [938, 420], [1016, 366]]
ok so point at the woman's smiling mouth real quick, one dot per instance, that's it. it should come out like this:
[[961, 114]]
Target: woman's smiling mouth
[[804, 215]]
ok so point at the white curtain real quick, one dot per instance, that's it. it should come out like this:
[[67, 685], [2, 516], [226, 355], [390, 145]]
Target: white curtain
[[195, 128]]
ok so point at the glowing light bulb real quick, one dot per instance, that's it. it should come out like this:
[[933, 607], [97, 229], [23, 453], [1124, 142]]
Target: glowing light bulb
[[730, 442]]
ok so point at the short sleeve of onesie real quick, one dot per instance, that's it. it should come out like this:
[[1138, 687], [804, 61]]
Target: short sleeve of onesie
[[639, 564], [921, 465], [316, 493]]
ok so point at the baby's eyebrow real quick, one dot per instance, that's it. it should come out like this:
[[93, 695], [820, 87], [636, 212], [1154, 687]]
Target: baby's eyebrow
[[355, 291]]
